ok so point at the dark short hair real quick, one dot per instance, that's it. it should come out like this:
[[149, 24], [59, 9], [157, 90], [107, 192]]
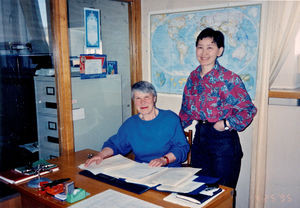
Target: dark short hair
[[216, 35], [143, 86]]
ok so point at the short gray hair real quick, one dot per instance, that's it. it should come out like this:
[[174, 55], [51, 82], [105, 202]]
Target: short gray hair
[[143, 86]]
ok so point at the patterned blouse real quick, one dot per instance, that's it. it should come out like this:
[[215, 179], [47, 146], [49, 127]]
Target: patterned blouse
[[220, 94]]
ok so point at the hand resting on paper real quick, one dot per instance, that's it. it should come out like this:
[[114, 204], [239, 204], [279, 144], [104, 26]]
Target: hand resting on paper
[[108, 152], [105, 153], [162, 161]]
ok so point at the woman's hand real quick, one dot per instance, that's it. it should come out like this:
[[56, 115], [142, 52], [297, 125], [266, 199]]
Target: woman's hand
[[158, 162], [219, 125], [96, 159], [105, 153]]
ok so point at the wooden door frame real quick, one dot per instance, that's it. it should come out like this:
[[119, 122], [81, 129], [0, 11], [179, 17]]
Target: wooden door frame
[[59, 23]]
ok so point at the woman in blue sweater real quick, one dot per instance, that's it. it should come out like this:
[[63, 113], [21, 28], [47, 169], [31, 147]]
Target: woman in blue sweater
[[155, 136]]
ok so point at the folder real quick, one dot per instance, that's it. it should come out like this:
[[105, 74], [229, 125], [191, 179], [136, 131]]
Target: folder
[[132, 187]]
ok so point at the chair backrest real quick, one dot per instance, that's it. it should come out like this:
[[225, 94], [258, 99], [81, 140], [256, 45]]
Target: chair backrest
[[189, 136]]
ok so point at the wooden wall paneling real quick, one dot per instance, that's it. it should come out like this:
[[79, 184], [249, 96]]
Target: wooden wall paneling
[[285, 93], [59, 23], [134, 11]]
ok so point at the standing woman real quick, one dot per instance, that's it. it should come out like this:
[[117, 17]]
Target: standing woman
[[217, 99]]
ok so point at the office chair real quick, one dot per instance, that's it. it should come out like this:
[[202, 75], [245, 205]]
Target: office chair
[[189, 136]]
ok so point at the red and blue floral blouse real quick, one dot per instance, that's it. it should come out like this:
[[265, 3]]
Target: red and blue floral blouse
[[220, 94]]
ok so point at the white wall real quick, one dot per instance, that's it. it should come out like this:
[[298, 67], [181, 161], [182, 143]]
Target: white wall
[[173, 102], [283, 155]]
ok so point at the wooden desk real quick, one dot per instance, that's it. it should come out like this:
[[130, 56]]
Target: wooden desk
[[68, 169]]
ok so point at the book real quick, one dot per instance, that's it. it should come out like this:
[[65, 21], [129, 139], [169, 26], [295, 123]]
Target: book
[[194, 201], [14, 176]]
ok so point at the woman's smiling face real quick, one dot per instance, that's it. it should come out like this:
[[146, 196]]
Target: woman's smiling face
[[207, 52], [144, 102]]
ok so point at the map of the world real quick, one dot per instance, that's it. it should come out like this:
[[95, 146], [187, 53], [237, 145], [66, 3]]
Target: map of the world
[[173, 37]]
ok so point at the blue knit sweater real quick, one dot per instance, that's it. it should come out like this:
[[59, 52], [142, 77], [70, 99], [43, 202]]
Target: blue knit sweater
[[151, 139]]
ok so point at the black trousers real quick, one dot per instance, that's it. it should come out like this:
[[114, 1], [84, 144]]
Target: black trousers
[[218, 153]]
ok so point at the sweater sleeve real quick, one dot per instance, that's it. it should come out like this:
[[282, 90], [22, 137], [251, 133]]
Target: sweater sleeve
[[180, 146], [118, 142]]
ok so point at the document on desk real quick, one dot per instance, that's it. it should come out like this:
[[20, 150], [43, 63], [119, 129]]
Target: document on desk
[[108, 199], [121, 167], [111, 163], [187, 186], [176, 199], [135, 171], [167, 176]]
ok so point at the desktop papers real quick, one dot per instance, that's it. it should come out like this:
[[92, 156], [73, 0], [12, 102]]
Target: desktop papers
[[141, 173], [119, 166], [187, 186], [175, 199], [108, 199], [167, 176]]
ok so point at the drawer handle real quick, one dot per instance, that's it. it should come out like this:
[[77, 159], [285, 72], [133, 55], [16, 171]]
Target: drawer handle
[[52, 125], [51, 105], [50, 91], [53, 139]]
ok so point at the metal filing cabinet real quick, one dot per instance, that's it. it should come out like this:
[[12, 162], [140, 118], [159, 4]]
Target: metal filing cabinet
[[97, 112]]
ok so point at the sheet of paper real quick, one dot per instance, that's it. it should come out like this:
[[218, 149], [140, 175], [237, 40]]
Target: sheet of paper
[[178, 176], [93, 66], [108, 199], [135, 171], [78, 114], [171, 176], [185, 187], [173, 199], [114, 162], [167, 176]]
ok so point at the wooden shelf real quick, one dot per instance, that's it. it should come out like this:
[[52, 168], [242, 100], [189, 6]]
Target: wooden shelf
[[285, 93]]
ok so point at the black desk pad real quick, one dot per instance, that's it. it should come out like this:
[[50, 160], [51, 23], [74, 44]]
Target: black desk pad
[[132, 187]]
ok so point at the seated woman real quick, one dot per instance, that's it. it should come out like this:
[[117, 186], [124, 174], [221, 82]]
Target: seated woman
[[155, 136]]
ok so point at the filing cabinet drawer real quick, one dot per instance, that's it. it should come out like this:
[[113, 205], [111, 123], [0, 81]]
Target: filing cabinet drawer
[[47, 154], [47, 126], [45, 95]]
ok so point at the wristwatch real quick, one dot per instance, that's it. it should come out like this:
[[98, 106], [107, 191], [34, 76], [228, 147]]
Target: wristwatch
[[225, 125]]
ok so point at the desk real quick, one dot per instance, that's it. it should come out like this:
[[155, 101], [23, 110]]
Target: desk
[[68, 169]]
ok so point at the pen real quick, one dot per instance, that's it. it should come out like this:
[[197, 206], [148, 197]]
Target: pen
[[190, 199]]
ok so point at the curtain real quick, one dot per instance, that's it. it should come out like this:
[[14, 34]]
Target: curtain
[[34, 26], [277, 29], [284, 16]]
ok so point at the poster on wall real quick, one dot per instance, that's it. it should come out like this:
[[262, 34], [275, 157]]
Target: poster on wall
[[93, 66], [92, 28], [173, 52]]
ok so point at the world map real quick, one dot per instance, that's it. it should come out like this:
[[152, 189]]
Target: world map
[[173, 52]]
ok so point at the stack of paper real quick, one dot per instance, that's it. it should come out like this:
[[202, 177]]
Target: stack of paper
[[169, 179], [190, 202], [108, 199]]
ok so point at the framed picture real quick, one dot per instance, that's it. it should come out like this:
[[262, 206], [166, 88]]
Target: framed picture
[[112, 67], [93, 66], [92, 28]]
